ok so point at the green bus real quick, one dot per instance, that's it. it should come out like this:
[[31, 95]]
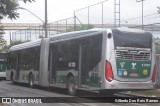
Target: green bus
[[3, 65], [101, 60]]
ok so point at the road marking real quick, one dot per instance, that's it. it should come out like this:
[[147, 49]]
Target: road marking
[[139, 104]]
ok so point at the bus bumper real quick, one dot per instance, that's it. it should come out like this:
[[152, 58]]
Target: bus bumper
[[128, 85], [2, 75]]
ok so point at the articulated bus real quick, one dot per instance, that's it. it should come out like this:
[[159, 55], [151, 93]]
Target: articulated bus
[[94, 60], [3, 65]]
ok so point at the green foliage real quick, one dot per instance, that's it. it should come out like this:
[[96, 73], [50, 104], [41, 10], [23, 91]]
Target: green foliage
[[28, 0], [157, 49], [16, 42], [6, 47], [9, 8], [1, 28], [84, 27], [3, 43], [41, 36], [1, 31], [81, 27]]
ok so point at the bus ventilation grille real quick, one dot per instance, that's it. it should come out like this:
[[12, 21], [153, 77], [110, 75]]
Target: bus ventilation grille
[[127, 55]]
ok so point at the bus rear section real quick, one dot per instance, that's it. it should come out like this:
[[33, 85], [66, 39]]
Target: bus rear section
[[130, 60]]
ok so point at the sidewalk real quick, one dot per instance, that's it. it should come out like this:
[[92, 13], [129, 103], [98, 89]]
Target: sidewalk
[[1, 104], [146, 93]]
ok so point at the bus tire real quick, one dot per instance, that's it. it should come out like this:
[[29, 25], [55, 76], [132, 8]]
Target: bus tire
[[106, 93], [12, 78], [71, 86], [31, 81]]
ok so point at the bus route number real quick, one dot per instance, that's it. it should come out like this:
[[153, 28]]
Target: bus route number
[[71, 64]]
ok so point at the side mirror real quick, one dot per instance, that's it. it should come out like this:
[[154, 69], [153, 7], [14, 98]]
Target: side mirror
[[109, 35]]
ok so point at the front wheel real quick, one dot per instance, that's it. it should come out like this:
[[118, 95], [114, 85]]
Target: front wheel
[[31, 83], [12, 78], [71, 86], [106, 93]]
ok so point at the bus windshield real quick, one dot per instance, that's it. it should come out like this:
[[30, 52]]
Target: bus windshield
[[2, 66], [132, 39], [3, 62]]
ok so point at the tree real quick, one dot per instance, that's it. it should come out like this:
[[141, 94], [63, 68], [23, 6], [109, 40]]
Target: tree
[[9, 8], [80, 27], [28, 0], [6, 47], [1, 29], [157, 49], [3, 42]]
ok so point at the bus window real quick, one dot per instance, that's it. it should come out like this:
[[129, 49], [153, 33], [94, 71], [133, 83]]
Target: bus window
[[73, 53], [12, 60], [95, 50], [36, 58], [63, 56]]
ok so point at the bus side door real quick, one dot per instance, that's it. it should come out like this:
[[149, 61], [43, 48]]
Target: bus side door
[[83, 65], [18, 59]]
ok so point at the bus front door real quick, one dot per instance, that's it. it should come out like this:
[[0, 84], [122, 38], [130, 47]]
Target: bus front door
[[83, 65], [53, 64]]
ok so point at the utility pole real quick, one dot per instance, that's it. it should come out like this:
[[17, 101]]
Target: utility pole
[[10, 36], [142, 12], [74, 20], [158, 9], [116, 13], [45, 23]]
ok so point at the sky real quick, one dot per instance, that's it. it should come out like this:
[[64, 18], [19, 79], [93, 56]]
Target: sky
[[61, 9], [57, 9]]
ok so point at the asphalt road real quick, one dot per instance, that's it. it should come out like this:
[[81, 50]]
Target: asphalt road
[[7, 89]]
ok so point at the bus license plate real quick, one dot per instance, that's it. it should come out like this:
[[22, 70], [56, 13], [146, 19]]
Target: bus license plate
[[134, 74]]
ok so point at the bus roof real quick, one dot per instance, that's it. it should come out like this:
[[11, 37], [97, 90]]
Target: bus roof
[[75, 34], [126, 29], [57, 36], [25, 45], [69, 35]]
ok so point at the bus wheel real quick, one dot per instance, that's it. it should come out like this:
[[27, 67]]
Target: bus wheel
[[31, 84], [106, 93], [71, 86], [12, 78]]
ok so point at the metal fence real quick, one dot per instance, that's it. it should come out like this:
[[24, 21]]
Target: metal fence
[[34, 33], [105, 14], [117, 13]]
